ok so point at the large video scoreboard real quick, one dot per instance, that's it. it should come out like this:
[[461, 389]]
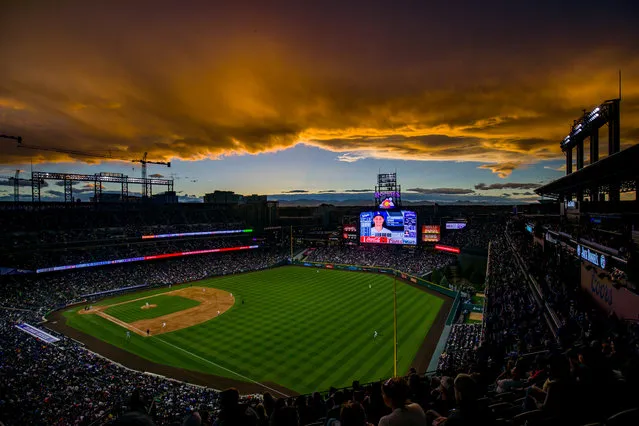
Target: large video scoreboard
[[388, 227]]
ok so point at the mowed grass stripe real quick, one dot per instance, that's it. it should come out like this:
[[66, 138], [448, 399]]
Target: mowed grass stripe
[[413, 321], [291, 366], [165, 304], [299, 328]]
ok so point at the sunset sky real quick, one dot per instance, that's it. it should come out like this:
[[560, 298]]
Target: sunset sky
[[309, 96]]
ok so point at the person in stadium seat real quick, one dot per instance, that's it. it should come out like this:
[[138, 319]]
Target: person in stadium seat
[[468, 411], [134, 418], [418, 390], [285, 416], [378, 229], [232, 412], [353, 414], [318, 405], [263, 419], [338, 400], [303, 410], [193, 419], [560, 397], [511, 383], [405, 413], [444, 395], [269, 403]]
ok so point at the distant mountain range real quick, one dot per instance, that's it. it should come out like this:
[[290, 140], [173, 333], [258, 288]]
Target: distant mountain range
[[366, 199]]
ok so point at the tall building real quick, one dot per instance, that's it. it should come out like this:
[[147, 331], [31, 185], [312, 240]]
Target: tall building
[[222, 197]]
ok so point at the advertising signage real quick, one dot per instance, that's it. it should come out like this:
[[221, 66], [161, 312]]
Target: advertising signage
[[455, 225], [591, 256], [430, 233]]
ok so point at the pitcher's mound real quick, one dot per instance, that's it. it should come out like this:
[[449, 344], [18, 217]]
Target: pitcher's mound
[[153, 305]]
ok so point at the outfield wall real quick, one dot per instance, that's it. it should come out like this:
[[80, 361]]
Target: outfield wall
[[381, 270]]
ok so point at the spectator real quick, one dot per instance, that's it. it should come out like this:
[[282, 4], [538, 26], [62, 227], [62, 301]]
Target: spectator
[[395, 392], [468, 412], [353, 414]]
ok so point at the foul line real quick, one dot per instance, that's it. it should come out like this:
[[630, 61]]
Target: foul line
[[215, 364], [219, 366], [141, 332]]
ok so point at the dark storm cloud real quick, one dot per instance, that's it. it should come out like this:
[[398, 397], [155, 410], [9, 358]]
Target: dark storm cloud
[[494, 82], [450, 191], [509, 185], [358, 190], [21, 183], [296, 191]]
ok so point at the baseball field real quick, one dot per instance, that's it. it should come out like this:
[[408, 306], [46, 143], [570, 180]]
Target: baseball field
[[300, 328]]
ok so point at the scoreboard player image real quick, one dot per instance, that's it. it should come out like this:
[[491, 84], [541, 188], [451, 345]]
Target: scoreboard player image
[[388, 227], [378, 229]]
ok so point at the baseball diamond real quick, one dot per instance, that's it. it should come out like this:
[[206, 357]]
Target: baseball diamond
[[281, 326]]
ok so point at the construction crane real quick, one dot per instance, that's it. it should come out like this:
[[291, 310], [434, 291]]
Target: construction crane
[[95, 154], [16, 138], [147, 185], [147, 190]]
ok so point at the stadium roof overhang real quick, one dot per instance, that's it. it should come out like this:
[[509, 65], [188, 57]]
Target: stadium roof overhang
[[620, 169]]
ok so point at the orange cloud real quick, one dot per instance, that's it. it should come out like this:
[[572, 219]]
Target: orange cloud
[[192, 90]]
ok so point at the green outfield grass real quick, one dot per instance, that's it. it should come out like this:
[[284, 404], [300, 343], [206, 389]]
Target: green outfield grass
[[477, 300], [303, 329], [132, 311]]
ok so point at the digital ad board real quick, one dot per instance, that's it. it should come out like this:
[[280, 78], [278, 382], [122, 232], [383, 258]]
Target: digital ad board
[[455, 225], [349, 234], [388, 227], [430, 233]]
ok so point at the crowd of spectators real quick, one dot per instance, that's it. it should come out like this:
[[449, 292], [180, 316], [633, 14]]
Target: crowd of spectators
[[510, 367], [66, 384], [514, 321], [585, 373], [42, 258], [462, 343], [50, 227], [414, 262], [41, 292], [475, 235]]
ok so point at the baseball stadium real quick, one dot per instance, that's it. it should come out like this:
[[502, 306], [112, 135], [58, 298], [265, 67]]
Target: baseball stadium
[[231, 328], [319, 213]]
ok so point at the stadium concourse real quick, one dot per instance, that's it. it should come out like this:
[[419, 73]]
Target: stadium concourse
[[509, 370]]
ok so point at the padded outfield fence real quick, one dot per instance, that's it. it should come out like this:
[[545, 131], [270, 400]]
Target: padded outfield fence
[[399, 274], [381, 270]]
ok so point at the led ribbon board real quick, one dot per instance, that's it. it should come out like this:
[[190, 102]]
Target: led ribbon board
[[448, 249], [139, 259], [194, 234]]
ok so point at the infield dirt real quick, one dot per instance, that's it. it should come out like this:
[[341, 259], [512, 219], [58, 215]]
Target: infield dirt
[[212, 301]]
